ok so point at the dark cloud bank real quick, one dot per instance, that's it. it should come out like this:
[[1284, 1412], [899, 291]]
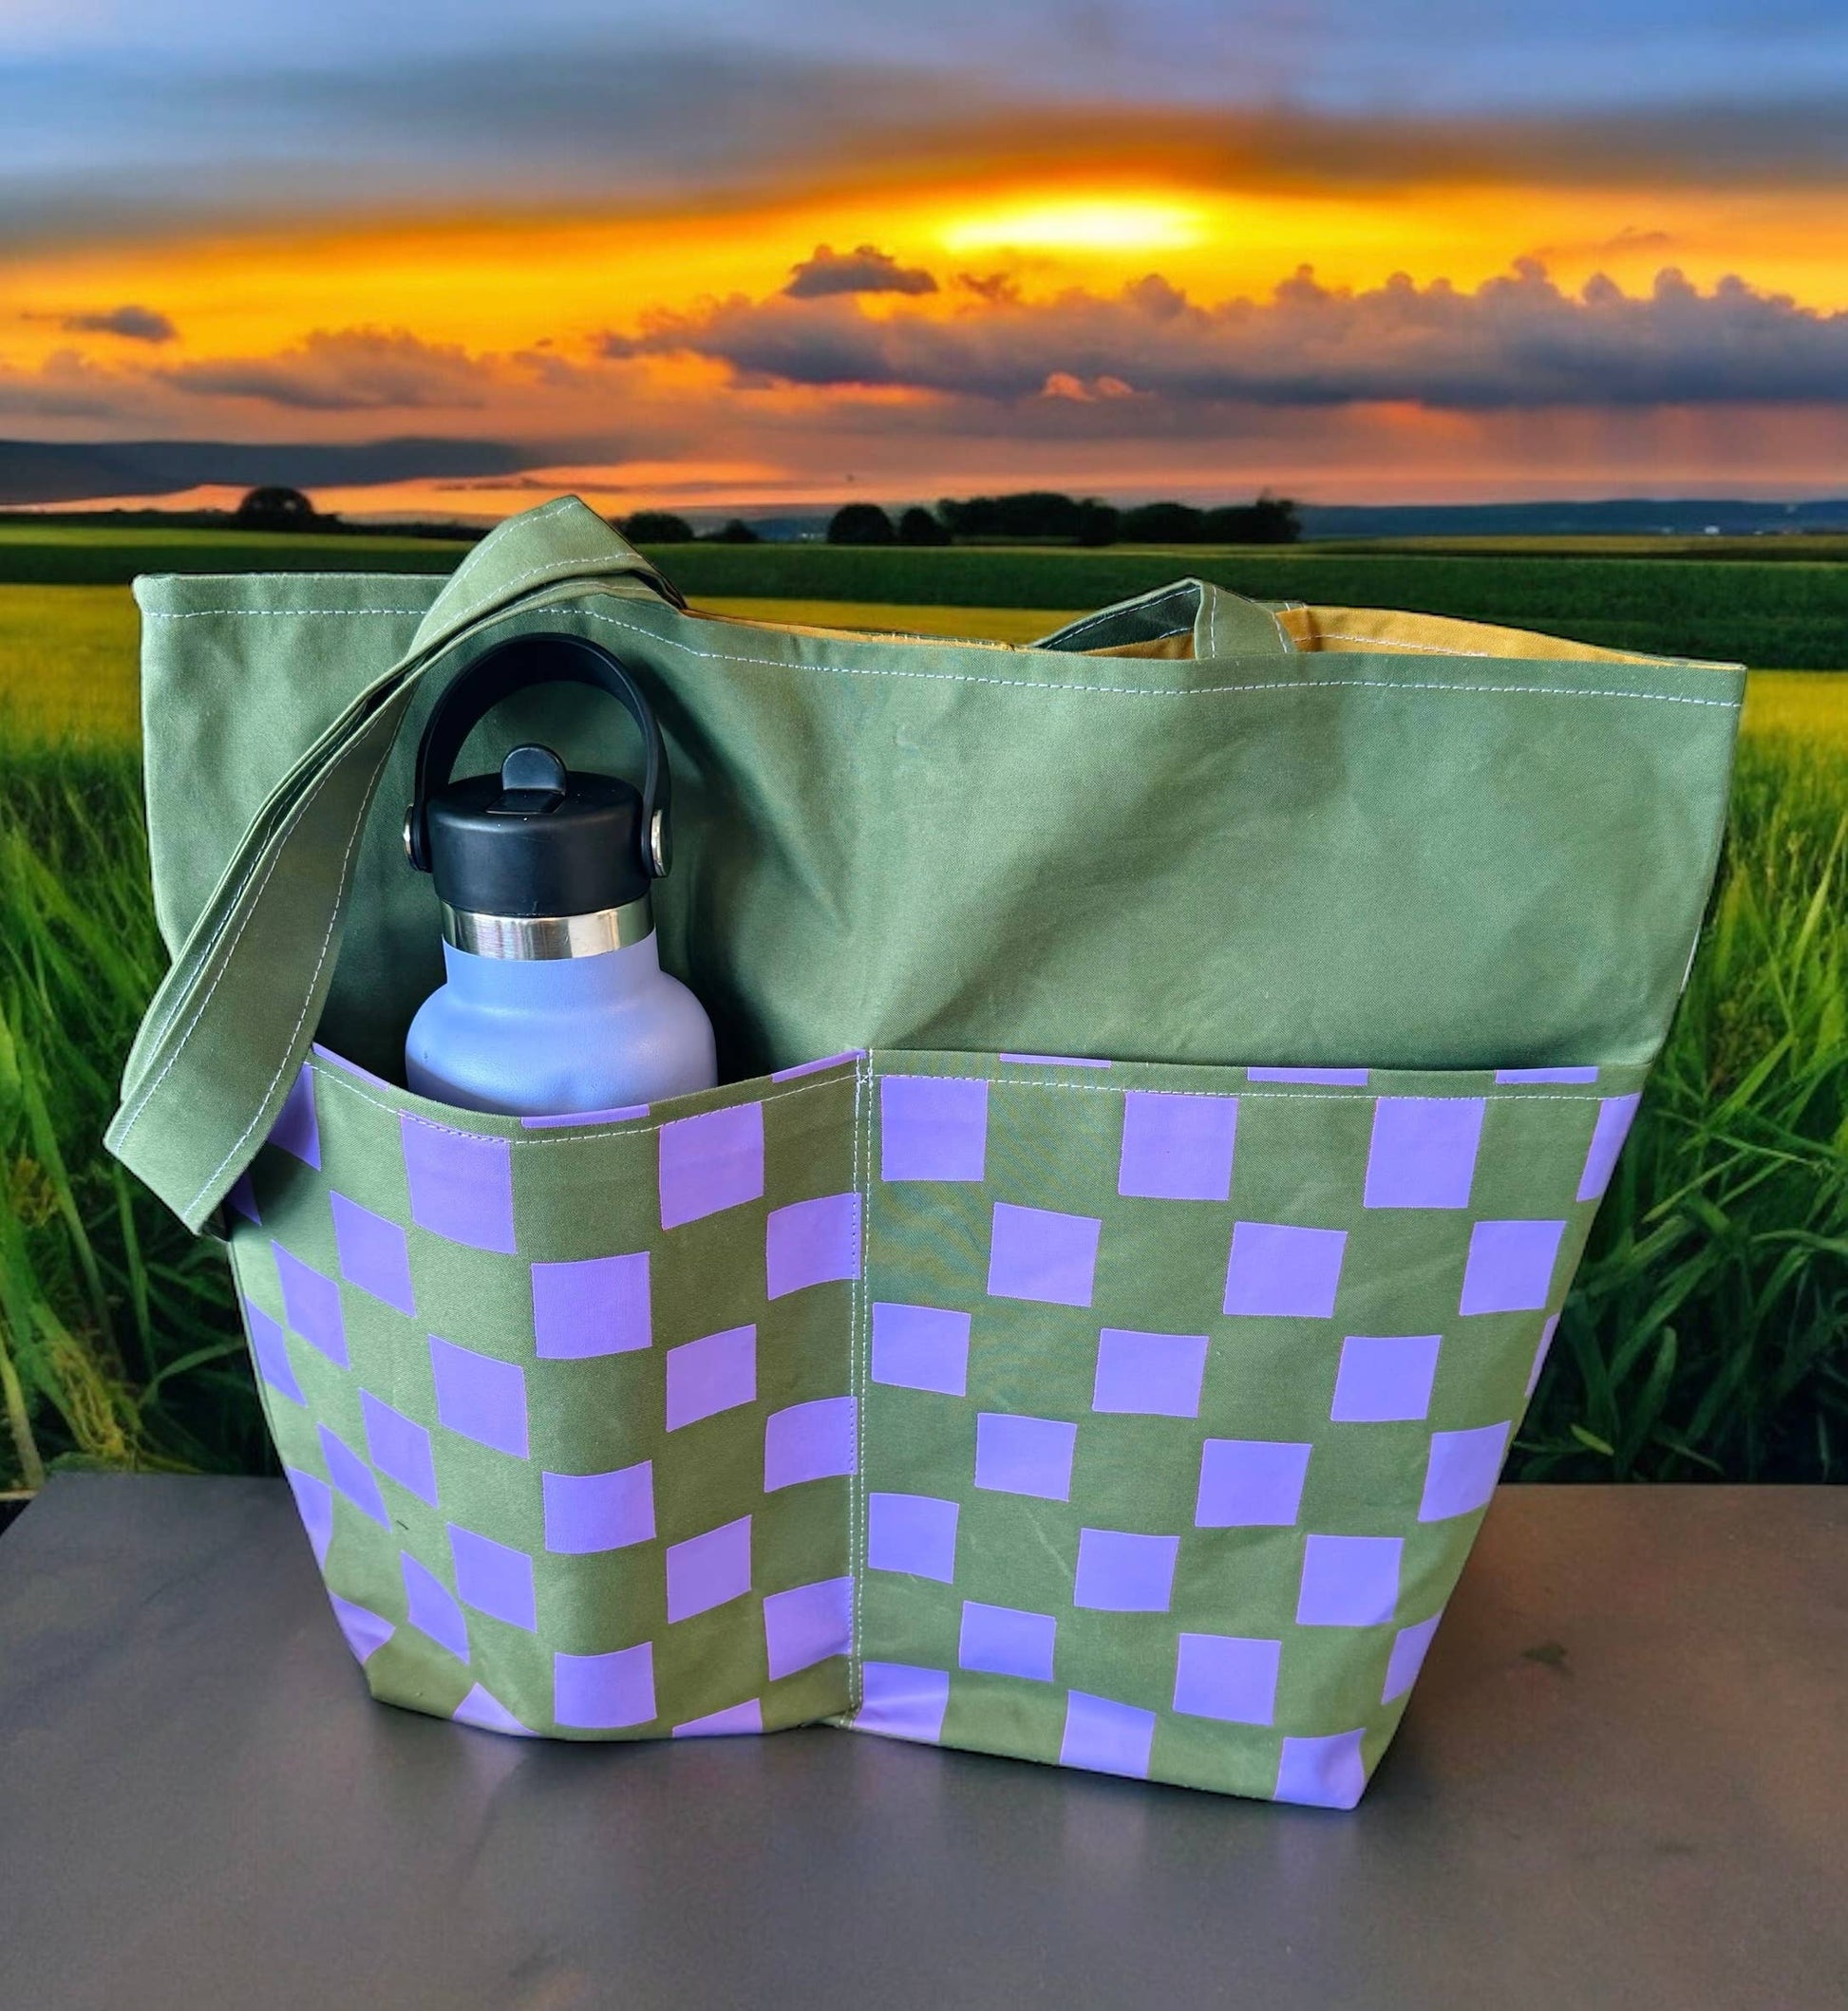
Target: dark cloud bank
[[1516, 342]]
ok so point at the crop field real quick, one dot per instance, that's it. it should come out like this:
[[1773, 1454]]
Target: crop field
[[1788, 613], [1705, 1337], [1792, 615]]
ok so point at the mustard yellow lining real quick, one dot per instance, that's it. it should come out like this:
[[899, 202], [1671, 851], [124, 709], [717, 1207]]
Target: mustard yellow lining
[[1322, 631]]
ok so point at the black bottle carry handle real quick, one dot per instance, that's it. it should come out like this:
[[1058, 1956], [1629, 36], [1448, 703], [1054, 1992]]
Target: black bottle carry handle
[[511, 667]]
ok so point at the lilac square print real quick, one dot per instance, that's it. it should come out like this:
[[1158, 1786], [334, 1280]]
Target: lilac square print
[[373, 1253], [586, 1513], [810, 1441], [913, 1534], [1424, 1150], [814, 1067], [480, 1397], [243, 1198], [710, 1163], [400, 1447], [1024, 1455], [716, 1373], [315, 1505], [1251, 1483], [494, 1579], [1614, 1120], [736, 1720], [920, 1347], [1149, 1375], [558, 1121], [1322, 1773], [486, 1713], [898, 1701], [604, 1693], [811, 1243], [1463, 1467], [431, 1610], [592, 1306], [1118, 1573], [311, 1304], [296, 1128], [270, 1347], [706, 1570], [366, 1632], [1039, 1253], [353, 1478], [1542, 1348], [1227, 1676], [1510, 1266], [808, 1624], [1178, 1148], [1349, 1581], [1328, 1077], [1409, 1647], [933, 1128], [1384, 1378], [1106, 1737], [1002, 1640], [1282, 1272], [462, 1183]]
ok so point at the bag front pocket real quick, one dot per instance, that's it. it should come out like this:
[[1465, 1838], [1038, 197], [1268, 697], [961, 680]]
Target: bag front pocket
[[566, 1406], [1125, 1416], [1185, 1391]]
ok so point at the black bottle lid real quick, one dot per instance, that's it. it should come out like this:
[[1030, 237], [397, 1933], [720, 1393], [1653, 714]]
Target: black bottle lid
[[537, 839]]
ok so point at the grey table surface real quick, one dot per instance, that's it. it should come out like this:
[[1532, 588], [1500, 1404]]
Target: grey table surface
[[1623, 1781]]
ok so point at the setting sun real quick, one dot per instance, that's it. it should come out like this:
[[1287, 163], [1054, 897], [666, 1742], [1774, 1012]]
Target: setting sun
[[1084, 224]]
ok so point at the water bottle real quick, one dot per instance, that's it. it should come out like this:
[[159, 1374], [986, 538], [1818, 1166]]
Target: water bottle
[[555, 1001]]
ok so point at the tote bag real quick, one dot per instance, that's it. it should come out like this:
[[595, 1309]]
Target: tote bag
[[1168, 1075]]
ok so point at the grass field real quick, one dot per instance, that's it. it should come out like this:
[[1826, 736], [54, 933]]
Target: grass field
[[1792, 612], [1704, 1338]]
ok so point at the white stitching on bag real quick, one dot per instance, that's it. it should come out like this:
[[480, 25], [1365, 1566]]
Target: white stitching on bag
[[198, 615], [1031, 684], [326, 942], [339, 1079], [608, 1134], [857, 1538], [134, 1116]]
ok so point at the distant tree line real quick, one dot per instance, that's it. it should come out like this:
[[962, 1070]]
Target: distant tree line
[[1047, 517], [663, 527]]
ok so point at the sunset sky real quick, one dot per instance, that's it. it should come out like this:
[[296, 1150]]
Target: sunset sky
[[725, 252]]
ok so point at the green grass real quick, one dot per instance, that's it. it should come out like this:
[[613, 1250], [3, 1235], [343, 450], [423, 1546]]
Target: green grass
[[118, 1338], [67, 670], [1793, 612], [1787, 611], [1705, 1337], [55, 554], [1707, 1331]]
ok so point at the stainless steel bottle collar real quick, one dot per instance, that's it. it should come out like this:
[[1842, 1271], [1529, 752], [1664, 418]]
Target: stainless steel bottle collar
[[540, 938]]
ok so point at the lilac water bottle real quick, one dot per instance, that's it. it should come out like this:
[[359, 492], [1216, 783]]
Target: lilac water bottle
[[556, 1001]]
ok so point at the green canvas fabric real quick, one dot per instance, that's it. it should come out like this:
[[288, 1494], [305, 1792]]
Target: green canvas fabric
[[1415, 859], [964, 1397], [1107, 1357]]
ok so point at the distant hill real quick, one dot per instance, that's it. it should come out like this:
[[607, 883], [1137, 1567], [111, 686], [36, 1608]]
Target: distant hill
[[39, 471]]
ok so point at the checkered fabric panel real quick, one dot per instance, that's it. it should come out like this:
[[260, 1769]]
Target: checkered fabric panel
[[1186, 1391], [569, 1410], [1128, 1417]]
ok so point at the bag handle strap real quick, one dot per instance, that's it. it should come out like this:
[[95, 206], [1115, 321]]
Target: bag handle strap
[[217, 1052], [1222, 624]]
